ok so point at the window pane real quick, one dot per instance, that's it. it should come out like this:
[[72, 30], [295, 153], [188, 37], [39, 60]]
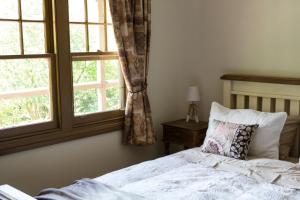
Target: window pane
[[108, 13], [95, 11], [10, 39], [96, 38], [31, 73], [25, 95], [112, 70], [9, 9], [86, 96], [86, 101], [32, 9], [24, 111], [112, 96], [85, 71], [77, 37], [111, 40], [76, 11], [34, 38], [96, 86]]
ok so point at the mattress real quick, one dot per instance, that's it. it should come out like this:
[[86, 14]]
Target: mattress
[[192, 174]]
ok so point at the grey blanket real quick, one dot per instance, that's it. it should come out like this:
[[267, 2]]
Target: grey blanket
[[86, 189]]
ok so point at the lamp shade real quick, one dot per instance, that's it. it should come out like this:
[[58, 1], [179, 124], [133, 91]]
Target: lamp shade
[[193, 94]]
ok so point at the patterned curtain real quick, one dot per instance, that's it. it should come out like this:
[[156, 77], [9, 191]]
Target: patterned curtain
[[131, 21]]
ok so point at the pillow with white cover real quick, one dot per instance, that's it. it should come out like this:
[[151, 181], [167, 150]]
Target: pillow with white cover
[[265, 140]]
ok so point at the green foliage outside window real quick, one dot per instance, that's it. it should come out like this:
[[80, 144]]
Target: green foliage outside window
[[23, 75], [19, 75], [88, 101], [24, 110], [85, 101]]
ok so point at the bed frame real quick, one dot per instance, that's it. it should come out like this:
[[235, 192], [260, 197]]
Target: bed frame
[[268, 94]]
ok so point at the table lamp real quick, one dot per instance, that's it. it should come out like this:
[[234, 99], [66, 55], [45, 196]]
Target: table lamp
[[193, 96]]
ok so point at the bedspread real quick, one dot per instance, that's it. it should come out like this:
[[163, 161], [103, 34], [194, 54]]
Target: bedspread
[[192, 174], [86, 189]]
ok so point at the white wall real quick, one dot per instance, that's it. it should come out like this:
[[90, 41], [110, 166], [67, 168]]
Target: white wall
[[59, 165]]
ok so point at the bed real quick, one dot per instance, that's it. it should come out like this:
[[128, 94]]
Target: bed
[[193, 174]]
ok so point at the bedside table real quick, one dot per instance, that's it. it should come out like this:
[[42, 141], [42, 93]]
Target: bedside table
[[189, 134]]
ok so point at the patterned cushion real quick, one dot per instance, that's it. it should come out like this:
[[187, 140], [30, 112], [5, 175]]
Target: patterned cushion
[[228, 139]]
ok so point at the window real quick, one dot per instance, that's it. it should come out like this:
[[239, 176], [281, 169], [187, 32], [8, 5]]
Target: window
[[26, 58], [60, 77], [97, 82], [96, 86]]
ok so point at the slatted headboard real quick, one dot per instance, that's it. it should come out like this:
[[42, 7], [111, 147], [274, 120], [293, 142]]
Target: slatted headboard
[[268, 94]]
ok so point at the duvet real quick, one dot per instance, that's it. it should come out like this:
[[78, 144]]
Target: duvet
[[192, 174]]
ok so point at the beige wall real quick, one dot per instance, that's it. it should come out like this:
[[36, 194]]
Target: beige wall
[[60, 164], [253, 36]]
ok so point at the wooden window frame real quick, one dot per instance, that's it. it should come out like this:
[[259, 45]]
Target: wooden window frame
[[64, 126]]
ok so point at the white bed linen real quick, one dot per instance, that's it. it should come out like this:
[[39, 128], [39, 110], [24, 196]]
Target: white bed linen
[[192, 174]]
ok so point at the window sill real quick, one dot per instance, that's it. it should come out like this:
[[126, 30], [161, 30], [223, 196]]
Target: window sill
[[40, 139]]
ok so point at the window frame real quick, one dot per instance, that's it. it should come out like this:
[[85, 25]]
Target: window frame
[[64, 126]]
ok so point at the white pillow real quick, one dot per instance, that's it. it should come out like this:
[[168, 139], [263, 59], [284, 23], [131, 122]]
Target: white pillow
[[265, 141]]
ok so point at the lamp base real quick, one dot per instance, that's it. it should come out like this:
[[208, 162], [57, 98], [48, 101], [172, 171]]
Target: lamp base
[[192, 113]]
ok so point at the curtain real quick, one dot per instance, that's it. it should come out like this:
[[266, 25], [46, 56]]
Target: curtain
[[132, 27]]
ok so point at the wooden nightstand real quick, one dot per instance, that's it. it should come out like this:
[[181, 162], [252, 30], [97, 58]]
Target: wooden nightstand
[[189, 134]]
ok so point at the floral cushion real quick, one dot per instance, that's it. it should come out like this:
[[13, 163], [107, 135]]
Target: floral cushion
[[228, 139]]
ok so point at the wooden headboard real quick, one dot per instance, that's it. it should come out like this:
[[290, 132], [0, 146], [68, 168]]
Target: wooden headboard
[[264, 93]]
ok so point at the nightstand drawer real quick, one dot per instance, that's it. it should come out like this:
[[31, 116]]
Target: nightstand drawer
[[176, 135], [180, 132], [184, 137]]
